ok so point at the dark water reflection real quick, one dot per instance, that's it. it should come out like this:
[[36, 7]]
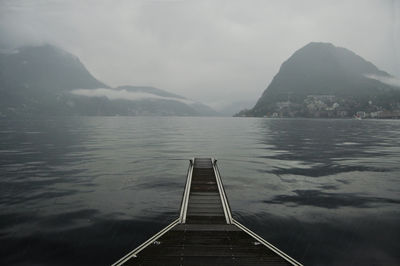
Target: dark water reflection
[[87, 190]]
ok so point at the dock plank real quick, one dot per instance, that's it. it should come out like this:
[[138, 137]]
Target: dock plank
[[206, 237]]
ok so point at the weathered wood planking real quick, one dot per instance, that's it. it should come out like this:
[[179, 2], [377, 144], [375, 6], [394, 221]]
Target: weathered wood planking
[[205, 233]]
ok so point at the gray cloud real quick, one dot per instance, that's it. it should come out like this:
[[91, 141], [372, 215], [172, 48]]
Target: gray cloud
[[387, 80], [125, 95], [212, 51]]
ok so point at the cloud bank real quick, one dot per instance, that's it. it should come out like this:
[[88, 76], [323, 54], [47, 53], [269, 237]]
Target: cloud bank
[[392, 81], [113, 94]]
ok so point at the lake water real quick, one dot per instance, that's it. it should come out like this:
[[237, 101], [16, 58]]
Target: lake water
[[86, 190]]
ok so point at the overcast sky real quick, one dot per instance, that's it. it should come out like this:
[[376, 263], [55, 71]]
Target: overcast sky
[[212, 51]]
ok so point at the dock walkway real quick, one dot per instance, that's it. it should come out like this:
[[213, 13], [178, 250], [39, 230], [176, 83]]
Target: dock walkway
[[205, 233]]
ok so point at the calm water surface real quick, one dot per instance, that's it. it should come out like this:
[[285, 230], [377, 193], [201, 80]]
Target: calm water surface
[[87, 190]]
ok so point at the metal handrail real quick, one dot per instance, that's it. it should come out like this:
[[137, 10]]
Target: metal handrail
[[224, 200], [186, 193], [150, 241], [223, 189], [267, 244]]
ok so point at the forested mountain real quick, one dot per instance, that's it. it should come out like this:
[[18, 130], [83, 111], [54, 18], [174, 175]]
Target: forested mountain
[[322, 80], [46, 80]]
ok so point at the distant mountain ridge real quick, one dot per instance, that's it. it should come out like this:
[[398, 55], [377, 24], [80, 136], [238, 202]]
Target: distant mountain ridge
[[322, 69], [152, 90], [47, 80]]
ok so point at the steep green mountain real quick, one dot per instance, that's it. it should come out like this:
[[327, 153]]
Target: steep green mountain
[[44, 68], [33, 78], [46, 80], [322, 80]]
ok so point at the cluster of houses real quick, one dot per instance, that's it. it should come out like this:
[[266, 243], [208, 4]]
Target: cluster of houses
[[332, 107]]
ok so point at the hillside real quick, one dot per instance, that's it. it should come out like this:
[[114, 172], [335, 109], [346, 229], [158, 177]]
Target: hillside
[[46, 80], [322, 80]]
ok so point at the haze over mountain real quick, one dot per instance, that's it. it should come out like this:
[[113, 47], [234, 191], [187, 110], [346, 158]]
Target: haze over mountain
[[227, 108], [48, 80], [322, 80]]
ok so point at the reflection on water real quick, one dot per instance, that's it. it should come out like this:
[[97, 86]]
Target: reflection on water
[[87, 190]]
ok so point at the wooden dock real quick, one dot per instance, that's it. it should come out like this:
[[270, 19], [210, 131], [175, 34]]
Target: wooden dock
[[205, 233]]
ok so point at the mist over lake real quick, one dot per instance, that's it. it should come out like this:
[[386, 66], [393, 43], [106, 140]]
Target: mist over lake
[[86, 190]]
